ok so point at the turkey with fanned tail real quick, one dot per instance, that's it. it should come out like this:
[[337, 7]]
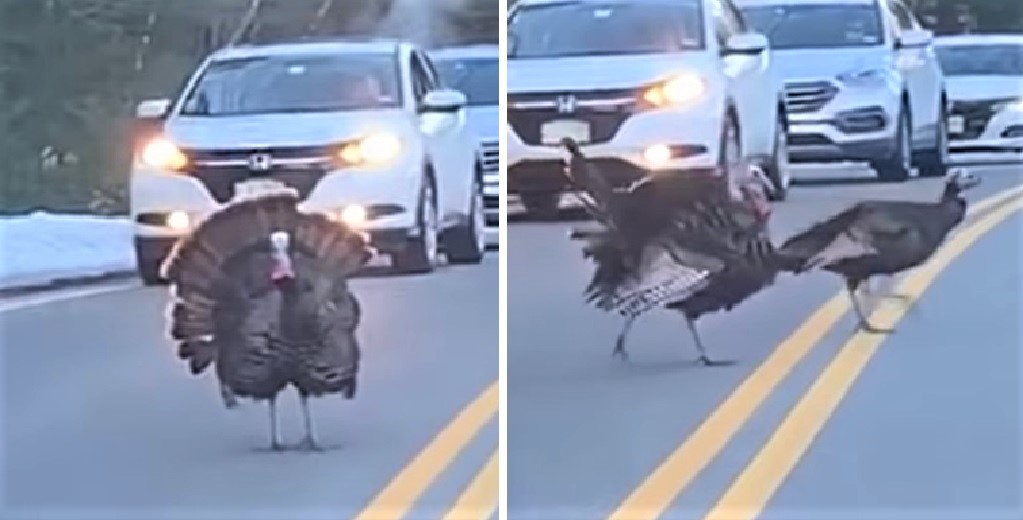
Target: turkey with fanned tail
[[260, 292], [696, 244], [879, 238]]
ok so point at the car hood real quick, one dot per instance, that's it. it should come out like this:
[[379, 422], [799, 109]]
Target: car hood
[[794, 64], [969, 88], [269, 130], [484, 120], [607, 72]]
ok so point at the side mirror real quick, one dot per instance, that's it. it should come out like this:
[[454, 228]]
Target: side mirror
[[153, 109], [444, 100], [748, 44], [914, 39]]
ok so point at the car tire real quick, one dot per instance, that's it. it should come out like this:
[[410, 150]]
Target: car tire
[[896, 167], [419, 255], [148, 266], [934, 163], [541, 206], [466, 243], [778, 170]]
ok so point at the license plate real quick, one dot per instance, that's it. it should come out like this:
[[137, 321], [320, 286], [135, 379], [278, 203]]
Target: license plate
[[257, 188], [553, 132], [956, 124]]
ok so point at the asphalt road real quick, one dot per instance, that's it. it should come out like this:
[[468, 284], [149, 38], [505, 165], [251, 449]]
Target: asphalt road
[[930, 429], [101, 421]]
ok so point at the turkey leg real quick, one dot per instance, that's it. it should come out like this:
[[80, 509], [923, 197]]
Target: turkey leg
[[275, 440], [852, 286], [309, 441], [691, 323], [619, 350]]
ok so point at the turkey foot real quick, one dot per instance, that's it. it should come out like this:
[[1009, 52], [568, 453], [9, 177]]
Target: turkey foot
[[708, 362], [864, 323], [309, 443], [866, 326]]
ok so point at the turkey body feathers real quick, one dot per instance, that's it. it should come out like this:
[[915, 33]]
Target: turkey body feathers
[[228, 311]]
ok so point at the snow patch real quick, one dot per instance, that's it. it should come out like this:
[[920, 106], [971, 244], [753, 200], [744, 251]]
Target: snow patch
[[43, 247]]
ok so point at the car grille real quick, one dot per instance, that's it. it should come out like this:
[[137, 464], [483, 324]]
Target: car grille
[[220, 170], [604, 110], [976, 115], [808, 140], [809, 96]]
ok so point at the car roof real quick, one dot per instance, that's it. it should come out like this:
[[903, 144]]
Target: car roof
[[542, 2], [753, 3], [466, 51], [307, 47], [979, 39]]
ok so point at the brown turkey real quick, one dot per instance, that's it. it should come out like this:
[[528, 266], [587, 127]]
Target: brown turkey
[[260, 292], [879, 238], [696, 244]]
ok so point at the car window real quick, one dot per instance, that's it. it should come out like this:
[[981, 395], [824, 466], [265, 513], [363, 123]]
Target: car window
[[816, 26], [294, 83], [981, 60], [902, 16], [605, 28], [477, 78]]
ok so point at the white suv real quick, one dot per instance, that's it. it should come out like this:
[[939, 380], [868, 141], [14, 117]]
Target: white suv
[[360, 129], [862, 83], [645, 85], [475, 71]]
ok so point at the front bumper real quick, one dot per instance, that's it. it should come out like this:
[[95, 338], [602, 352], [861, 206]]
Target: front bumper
[[155, 194], [847, 123], [536, 168], [1001, 133]]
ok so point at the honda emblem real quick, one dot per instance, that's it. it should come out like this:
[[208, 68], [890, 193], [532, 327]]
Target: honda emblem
[[260, 162], [566, 104]]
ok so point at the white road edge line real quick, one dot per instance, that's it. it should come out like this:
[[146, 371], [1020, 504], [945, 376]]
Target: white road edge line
[[47, 297]]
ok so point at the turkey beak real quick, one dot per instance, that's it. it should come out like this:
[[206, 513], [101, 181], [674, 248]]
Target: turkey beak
[[282, 270]]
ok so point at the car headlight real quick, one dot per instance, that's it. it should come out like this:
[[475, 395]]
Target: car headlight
[[678, 90], [864, 78], [161, 153], [374, 149]]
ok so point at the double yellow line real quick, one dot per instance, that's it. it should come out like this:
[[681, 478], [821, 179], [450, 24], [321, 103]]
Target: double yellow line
[[479, 499], [751, 490]]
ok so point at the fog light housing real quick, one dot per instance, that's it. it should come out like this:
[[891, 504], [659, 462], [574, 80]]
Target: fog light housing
[[354, 215], [657, 155], [178, 220]]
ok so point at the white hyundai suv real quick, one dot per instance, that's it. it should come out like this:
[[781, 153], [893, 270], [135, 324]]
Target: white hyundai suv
[[862, 83], [645, 85], [360, 129]]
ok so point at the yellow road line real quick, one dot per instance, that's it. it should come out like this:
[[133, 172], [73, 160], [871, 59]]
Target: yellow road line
[[750, 492], [479, 500], [395, 500], [678, 470]]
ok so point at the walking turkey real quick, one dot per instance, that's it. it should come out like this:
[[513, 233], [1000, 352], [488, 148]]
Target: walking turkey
[[695, 244], [260, 291], [879, 237]]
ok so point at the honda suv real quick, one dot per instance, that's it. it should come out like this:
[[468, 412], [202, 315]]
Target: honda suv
[[862, 83], [361, 129], [660, 86]]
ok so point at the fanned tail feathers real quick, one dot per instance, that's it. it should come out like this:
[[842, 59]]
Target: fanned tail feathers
[[200, 282]]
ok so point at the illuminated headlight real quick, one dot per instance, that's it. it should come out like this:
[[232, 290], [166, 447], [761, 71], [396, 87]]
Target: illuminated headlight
[[864, 78], [657, 155], [374, 149], [161, 153], [178, 220], [679, 90], [354, 215]]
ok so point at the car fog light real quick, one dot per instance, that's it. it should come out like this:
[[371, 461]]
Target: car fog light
[[354, 215], [657, 155], [178, 220]]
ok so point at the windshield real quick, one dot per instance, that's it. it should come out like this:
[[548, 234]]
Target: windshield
[[279, 84], [817, 26], [586, 29], [981, 60], [477, 78]]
